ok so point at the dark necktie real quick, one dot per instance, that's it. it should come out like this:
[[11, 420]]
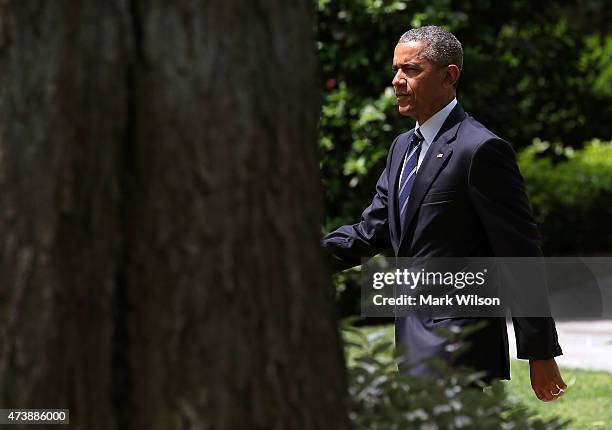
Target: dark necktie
[[408, 175]]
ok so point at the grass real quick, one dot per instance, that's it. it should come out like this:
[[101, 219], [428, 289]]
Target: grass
[[587, 402]]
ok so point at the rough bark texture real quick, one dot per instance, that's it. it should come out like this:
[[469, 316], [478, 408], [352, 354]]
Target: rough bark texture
[[159, 216]]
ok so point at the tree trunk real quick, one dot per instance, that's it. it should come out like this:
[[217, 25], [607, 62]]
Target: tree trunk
[[159, 213]]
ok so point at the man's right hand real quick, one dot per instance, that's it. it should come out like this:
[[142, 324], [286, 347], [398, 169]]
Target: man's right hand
[[546, 379]]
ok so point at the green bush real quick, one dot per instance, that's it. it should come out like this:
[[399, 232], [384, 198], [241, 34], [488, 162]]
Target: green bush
[[571, 195], [382, 399]]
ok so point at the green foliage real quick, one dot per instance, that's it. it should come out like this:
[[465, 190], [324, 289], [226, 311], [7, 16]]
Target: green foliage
[[383, 399], [597, 62], [347, 292], [572, 198]]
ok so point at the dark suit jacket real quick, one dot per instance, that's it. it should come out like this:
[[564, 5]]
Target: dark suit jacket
[[470, 201]]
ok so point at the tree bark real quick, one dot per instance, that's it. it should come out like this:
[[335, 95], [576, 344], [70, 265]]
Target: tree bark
[[159, 216]]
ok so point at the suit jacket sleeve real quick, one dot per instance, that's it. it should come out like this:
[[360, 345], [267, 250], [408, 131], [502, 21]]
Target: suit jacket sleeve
[[498, 193], [347, 245]]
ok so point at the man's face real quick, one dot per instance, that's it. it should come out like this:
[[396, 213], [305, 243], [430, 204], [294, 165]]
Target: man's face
[[421, 88]]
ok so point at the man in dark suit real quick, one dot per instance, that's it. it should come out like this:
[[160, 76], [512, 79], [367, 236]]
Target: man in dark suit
[[451, 188]]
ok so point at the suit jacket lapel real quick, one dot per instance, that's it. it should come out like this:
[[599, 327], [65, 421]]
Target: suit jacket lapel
[[432, 163]]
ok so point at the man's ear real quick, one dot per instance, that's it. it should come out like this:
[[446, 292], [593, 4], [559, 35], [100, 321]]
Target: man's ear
[[452, 75]]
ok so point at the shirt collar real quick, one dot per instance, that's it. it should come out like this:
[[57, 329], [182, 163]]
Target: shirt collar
[[430, 128]]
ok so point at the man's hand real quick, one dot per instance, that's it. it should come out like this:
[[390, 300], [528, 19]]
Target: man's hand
[[546, 380]]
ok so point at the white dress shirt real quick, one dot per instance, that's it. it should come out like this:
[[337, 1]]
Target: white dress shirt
[[429, 129]]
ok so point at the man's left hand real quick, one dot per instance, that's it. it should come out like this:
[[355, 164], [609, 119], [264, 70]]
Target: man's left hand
[[546, 380]]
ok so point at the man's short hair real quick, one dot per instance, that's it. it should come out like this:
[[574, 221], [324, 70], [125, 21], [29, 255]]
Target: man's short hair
[[441, 46]]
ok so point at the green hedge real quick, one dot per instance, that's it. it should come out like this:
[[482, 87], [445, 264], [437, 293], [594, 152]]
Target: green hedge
[[571, 195]]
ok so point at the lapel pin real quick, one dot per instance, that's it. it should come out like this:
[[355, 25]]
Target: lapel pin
[[439, 155]]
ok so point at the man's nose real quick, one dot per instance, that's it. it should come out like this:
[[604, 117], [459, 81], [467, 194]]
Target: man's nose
[[397, 78]]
